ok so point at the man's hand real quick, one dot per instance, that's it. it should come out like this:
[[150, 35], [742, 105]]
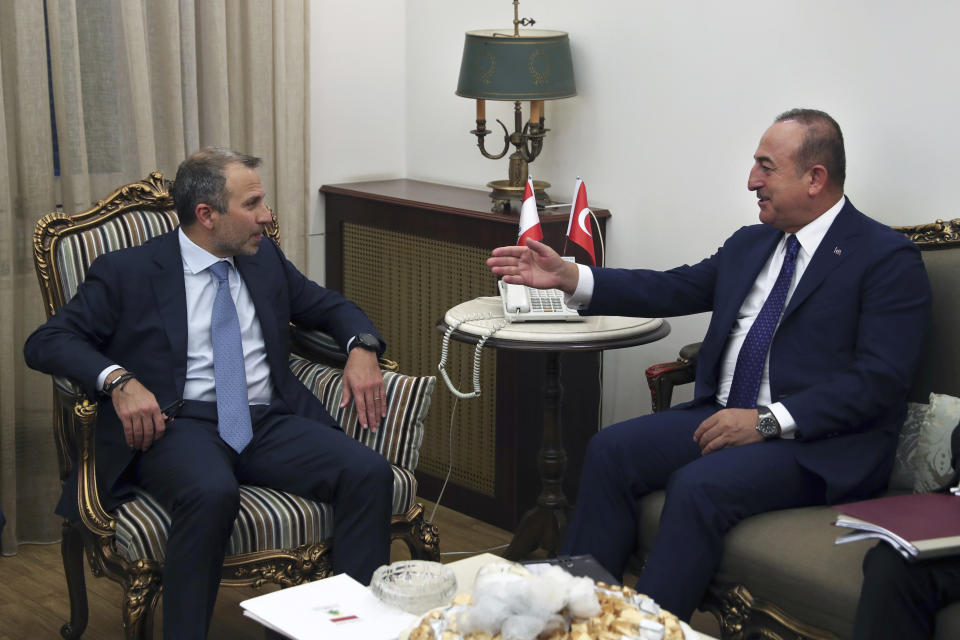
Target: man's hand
[[363, 384], [535, 265], [137, 408], [728, 428]]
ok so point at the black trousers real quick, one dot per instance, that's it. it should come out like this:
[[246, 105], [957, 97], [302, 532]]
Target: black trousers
[[196, 476], [900, 599]]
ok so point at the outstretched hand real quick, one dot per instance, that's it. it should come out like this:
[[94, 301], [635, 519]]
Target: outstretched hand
[[535, 265]]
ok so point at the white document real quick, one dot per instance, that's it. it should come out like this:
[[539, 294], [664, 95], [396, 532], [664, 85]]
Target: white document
[[337, 608]]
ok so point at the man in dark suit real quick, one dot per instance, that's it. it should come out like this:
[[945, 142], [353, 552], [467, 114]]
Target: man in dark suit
[[818, 317], [202, 314], [899, 599]]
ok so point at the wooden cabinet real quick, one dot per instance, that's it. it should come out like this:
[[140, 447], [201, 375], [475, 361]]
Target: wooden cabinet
[[406, 251]]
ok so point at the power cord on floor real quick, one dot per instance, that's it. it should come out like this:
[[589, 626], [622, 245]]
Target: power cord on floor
[[472, 553], [436, 505]]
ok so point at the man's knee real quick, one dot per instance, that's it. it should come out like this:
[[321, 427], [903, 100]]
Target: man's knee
[[370, 468], [601, 446], [696, 494], [883, 565], [219, 501]]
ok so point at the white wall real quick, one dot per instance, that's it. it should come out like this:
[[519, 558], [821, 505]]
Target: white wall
[[672, 99], [358, 117]]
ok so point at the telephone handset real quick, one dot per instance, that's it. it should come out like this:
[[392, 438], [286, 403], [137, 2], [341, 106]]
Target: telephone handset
[[522, 303], [519, 303]]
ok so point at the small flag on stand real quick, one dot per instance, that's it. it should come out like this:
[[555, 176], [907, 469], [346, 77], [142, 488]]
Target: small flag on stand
[[529, 220], [579, 228]]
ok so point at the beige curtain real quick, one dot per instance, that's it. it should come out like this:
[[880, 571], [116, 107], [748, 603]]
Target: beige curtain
[[136, 85]]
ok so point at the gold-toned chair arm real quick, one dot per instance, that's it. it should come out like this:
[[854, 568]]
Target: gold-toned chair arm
[[318, 346], [92, 513]]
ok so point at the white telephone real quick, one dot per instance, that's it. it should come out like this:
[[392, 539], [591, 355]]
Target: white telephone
[[522, 303], [519, 303]]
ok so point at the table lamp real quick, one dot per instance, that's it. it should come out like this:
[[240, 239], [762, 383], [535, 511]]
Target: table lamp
[[533, 65]]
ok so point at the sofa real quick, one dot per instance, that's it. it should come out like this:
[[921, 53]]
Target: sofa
[[781, 575]]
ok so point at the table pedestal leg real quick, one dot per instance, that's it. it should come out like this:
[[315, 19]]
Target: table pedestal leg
[[546, 522]]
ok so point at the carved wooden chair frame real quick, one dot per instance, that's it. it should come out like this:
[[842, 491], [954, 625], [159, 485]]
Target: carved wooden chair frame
[[74, 428]]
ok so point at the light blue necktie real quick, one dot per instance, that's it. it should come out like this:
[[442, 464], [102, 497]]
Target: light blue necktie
[[753, 353], [230, 376]]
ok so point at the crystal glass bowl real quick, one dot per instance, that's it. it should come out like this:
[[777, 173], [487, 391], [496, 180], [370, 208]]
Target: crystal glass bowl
[[416, 586]]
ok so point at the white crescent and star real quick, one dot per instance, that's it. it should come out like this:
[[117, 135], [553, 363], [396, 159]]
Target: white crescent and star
[[581, 220]]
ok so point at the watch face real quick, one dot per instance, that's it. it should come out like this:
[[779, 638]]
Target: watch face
[[768, 425], [767, 428]]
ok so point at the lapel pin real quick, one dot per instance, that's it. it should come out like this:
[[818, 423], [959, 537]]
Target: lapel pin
[[837, 251]]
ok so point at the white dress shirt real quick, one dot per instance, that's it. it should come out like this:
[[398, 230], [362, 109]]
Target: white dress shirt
[[810, 237], [201, 289]]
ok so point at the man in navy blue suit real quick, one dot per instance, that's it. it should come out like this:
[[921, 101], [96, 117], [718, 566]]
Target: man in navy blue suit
[[139, 333], [807, 412]]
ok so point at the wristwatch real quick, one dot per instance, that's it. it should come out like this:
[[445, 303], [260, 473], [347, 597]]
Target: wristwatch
[[366, 341], [767, 425]]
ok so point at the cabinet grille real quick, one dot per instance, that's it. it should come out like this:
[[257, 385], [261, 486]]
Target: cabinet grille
[[405, 283]]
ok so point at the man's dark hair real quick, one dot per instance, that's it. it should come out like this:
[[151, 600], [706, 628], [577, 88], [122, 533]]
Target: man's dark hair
[[201, 179], [822, 143]]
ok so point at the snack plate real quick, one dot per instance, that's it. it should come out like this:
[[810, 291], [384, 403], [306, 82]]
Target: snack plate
[[688, 632]]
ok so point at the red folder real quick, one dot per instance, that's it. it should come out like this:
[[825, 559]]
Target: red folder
[[920, 525]]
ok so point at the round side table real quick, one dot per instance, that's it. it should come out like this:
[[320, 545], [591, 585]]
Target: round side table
[[544, 524]]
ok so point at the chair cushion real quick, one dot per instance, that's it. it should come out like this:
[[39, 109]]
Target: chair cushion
[[76, 252], [789, 558], [268, 519], [408, 399], [924, 450], [902, 477]]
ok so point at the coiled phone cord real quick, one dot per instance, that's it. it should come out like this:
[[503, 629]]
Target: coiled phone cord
[[477, 354]]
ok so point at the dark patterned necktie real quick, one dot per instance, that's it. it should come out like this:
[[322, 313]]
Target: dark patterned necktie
[[229, 372], [753, 352]]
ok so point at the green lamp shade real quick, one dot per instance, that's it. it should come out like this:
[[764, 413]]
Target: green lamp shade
[[497, 65]]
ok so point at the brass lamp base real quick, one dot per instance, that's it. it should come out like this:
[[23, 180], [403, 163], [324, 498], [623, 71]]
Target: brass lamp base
[[503, 193]]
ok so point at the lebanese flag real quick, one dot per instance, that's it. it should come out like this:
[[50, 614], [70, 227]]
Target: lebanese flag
[[529, 220], [579, 226]]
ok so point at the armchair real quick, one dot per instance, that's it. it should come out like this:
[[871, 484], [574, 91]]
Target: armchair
[[781, 575], [278, 537]]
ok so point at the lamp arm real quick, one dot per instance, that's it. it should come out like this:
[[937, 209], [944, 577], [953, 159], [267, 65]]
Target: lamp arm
[[532, 137], [481, 132]]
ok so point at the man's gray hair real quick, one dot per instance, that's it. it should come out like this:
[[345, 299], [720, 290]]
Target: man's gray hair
[[822, 143], [201, 179]]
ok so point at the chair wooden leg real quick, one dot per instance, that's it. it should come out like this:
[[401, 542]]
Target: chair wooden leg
[[71, 550], [421, 537], [141, 591]]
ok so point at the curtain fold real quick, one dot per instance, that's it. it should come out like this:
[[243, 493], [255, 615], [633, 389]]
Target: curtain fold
[[28, 468], [136, 86]]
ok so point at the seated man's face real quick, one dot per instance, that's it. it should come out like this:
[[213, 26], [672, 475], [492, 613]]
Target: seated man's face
[[781, 193], [238, 231]]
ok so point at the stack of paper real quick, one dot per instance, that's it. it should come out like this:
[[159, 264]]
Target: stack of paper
[[337, 608]]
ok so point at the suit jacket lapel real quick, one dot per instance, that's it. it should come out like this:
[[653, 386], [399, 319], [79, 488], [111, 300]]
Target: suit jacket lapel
[[171, 297], [837, 245], [263, 292]]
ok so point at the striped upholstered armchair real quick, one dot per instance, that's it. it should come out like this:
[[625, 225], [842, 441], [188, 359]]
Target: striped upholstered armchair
[[278, 537]]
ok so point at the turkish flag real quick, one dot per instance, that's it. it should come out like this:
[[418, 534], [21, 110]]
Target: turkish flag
[[529, 220], [579, 229]]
